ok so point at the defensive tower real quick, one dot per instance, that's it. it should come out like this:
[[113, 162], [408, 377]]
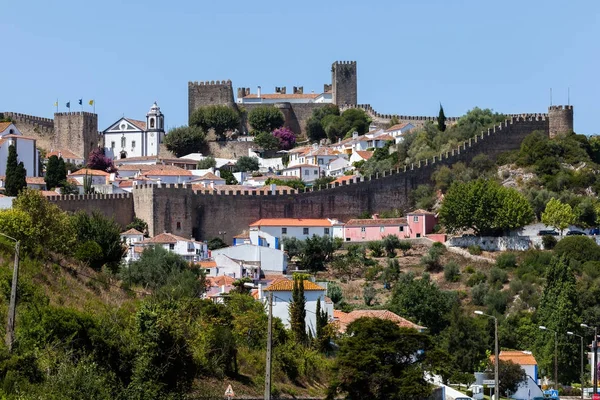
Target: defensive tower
[[76, 131], [207, 93], [560, 120], [343, 80]]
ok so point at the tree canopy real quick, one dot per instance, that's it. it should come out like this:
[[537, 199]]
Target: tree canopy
[[246, 164], [266, 118], [558, 215], [15, 173], [185, 140], [219, 118]]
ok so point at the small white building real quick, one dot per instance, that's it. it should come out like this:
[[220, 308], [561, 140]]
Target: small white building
[[27, 152], [208, 180], [129, 238], [132, 138], [282, 298], [169, 175], [399, 130], [339, 166], [305, 172], [67, 155], [98, 177], [360, 155], [191, 250], [270, 232], [269, 259]]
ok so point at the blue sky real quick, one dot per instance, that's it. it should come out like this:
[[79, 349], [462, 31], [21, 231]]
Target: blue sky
[[504, 55]]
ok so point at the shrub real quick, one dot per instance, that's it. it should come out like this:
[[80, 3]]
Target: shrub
[[592, 269], [579, 248], [469, 269], [476, 278], [549, 242], [478, 294], [506, 260], [432, 259], [474, 249], [452, 272], [405, 246], [369, 294], [90, 253], [334, 292], [391, 243], [498, 276], [376, 247], [373, 272], [496, 300]]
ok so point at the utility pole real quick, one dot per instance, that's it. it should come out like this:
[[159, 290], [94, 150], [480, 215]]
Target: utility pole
[[12, 307], [556, 359], [595, 366], [269, 341], [496, 381]]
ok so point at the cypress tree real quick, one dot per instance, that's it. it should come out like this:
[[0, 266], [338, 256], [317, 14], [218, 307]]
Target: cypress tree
[[298, 311], [15, 173], [322, 339], [51, 177], [61, 171], [441, 119]]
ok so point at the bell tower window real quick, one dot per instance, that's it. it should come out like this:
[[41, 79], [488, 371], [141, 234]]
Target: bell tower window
[[123, 142], [151, 122]]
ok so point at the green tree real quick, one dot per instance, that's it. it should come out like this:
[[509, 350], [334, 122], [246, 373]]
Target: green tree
[[103, 231], [185, 140], [15, 173], [323, 181], [293, 246], [266, 118], [246, 164], [378, 360], [293, 183], [578, 248], [219, 118], [510, 376], [88, 187], [266, 141], [297, 310], [558, 311], [441, 119], [558, 215], [229, 177], [356, 120], [322, 334], [138, 224], [405, 246], [369, 294], [206, 163], [316, 252], [56, 172], [334, 292], [216, 243], [391, 243]]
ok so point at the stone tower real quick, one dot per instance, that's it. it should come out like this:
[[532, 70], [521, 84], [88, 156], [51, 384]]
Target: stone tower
[[209, 93], [343, 80], [560, 120], [76, 131]]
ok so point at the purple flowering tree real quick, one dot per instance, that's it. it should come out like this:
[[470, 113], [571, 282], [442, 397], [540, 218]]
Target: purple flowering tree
[[97, 160], [286, 137]]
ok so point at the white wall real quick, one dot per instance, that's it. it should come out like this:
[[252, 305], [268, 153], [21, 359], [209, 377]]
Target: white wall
[[281, 303], [172, 178], [115, 153], [26, 153], [271, 260], [272, 232]]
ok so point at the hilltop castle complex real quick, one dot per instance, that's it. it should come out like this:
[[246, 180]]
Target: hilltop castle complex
[[210, 212]]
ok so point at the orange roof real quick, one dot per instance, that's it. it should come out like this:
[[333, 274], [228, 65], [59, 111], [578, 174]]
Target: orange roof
[[322, 151], [282, 96], [420, 212], [345, 178], [4, 126], [95, 172], [287, 285], [377, 222], [18, 137], [63, 153], [132, 231], [206, 264], [292, 222], [209, 176], [397, 127], [344, 319], [300, 149], [216, 281], [244, 235], [48, 193], [35, 180], [168, 172], [384, 137], [166, 238], [518, 357], [364, 154], [137, 123]]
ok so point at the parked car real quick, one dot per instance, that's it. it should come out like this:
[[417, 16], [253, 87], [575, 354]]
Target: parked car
[[595, 231], [576, 233], [545, 232]]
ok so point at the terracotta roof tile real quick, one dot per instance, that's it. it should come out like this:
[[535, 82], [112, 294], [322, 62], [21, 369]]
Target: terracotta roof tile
[[518, 357], [209, 176], [206, 264], [364, 154], [63, 153], [397, 127], [164, 238], [49, 193], [217, 281], [168, 172], [287, 285], [308, 222], [94, 172], [384, 137], [377, 222], [345, 178], [35, 180], [137, 123], [344, 319], [4, 126], [132, 231]]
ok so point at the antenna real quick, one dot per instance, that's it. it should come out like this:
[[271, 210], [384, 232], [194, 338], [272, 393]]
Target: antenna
[[568, 96], [550, 96]]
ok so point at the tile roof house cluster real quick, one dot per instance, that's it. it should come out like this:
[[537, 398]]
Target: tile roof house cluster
[[190, 249], [270, 232], [342, 319]]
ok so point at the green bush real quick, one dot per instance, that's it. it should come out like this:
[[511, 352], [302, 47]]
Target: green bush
[[579, 248], [549, 242], [498, 276], [592, 269], [469, 269], [91, 253], [478, 294], [496, 301], [476, 278], [474, 250], [376, 247], [506, 260], [452, 272]]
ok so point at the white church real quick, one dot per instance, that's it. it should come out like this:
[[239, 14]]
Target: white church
[[129, 138]]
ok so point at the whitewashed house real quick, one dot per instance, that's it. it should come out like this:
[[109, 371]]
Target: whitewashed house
[[169, 175], [360, 155], [399, 130], [208, 180], [27, 152], [270, 232], [339, 166], [191, 250], [268, 259], [305, 172], [129, 238]]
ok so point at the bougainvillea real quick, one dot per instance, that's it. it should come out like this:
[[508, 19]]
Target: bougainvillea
[[286, 137]]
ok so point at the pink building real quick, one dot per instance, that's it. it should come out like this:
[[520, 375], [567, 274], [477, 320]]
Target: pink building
[[361, 230], [420, 223]]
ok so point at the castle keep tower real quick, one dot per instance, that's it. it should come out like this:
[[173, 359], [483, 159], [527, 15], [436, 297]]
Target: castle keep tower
[[343, 79], [202, 94], [560, 120], [76, 131]]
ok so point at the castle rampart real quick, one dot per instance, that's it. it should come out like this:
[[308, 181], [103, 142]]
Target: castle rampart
[[561, 120], [117, 206], [207, 93]]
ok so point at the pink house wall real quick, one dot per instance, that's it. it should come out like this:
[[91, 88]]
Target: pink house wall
[[373, 233], [423, 224]]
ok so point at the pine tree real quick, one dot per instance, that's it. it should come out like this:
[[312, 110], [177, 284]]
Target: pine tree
[[15, 173], [441, 120], [298, 311]]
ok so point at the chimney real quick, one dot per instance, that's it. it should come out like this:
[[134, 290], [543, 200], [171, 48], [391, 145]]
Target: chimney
[[260, 291], [222, 289], [258, 92], [375, 216], [354, 135], [273, 188]]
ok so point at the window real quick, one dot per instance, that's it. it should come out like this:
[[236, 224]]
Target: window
[[415, 218], [123, 142], [112, 145], [151, 122], [320, 161], [171, 246], [327, 231], [381, 229], [363, 229], [347, 239], [316, 172], [401, 228], [306, 172], [178, 225], [305, 231], [133, 144], [284, 231]]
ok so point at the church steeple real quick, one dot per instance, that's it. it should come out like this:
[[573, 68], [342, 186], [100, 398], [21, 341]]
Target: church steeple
[[155, 119]]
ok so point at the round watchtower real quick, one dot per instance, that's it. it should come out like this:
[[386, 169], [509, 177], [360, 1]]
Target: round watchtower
[[560, 120]]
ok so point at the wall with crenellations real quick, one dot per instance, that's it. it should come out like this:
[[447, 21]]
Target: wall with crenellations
[[118, 206], [208, 93]]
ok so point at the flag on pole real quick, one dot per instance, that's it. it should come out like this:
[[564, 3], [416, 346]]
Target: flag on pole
[[56, 104], [80, 102], [69, 105], [91, 103]]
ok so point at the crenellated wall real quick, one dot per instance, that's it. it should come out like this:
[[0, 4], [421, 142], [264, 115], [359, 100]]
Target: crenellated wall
[[119, 206], [207, 93]]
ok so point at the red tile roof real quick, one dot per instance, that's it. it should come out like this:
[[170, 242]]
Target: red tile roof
[[4, 126], [206, 264], [397, 127], [35, 180], [164, 238], [364, 154], [518, 357], [292, 222], [377, 222], [209, 176], [137, 123], [345, 178], [287, 285], [94, 172], [384, 137], [132, 231], [64, 153], [168, 172], [344, 319], [217, 281], [49, 193]]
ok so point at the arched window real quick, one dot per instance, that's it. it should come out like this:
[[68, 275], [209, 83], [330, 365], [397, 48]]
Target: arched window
[[123, 142], [151, 122]]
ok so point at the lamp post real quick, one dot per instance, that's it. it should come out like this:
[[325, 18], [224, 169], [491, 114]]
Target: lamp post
[[581, 338], [497, 355], [595, 350], [555, 354], [12, 306]]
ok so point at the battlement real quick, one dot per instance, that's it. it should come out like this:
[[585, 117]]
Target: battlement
[[210, 83], [345, 63], [75, 113], [558, 108], [372, 113], [29, 119], [88, 197]]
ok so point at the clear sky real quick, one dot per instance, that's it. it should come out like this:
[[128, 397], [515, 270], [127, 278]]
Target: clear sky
[[411, 55]]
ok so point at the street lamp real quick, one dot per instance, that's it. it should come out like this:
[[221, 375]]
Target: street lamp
[[497, 356], [555, 354], [595, 350], [580, 337]]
